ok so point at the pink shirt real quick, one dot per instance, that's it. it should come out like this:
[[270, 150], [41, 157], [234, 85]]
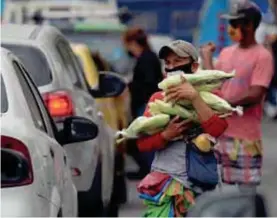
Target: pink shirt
[[254, 67]]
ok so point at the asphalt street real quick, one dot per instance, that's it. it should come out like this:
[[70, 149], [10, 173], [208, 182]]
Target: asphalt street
[[134, 207]]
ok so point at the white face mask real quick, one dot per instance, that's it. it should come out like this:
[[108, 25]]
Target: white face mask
[[178, 72]]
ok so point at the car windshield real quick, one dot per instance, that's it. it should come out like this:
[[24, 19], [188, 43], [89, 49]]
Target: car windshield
[[108, 44], [4, 98], [34, 61]]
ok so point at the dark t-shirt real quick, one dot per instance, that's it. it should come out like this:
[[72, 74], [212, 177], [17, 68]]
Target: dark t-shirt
[[147, 75]]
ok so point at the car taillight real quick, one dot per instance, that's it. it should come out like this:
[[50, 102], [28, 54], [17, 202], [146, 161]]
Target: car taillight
[[59, 104], [16, 164]]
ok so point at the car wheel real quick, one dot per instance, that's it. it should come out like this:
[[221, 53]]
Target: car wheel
[[120, 186], [60, 214], [119, 193]]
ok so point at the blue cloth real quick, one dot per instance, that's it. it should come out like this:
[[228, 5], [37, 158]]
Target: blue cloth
[[155, 198], [171, 212], [272, 96], [140, 110]]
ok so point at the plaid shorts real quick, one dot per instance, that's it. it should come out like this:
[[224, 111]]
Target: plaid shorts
[[240, 161]]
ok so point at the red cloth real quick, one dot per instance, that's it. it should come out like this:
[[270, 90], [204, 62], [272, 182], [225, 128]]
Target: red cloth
[[153, 183], [215, 126]]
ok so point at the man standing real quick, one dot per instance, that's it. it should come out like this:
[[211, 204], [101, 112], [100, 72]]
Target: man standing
[[240, 147], [147, 75]]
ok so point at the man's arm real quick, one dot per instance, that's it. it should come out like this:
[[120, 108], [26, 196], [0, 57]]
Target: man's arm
[[253, 96], [206, 53], [208, 63]]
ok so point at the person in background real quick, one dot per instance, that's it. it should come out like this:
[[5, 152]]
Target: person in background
[[240, 147], [170, 164], [272, 95], [147, 75]]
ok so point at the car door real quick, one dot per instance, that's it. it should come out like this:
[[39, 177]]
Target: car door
[[66, 187], [106, 135], [53, 158]]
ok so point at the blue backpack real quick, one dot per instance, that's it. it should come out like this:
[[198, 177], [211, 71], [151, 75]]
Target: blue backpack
[[201, 167]]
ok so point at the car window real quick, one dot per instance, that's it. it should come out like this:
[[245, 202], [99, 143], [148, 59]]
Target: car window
[[4, 98], [34, 61], [33, 106], [70, 62], [50, 126]]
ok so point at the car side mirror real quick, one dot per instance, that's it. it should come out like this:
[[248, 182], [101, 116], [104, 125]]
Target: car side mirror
[[110, 85], [14, 168], [232, 203], [78, 129]]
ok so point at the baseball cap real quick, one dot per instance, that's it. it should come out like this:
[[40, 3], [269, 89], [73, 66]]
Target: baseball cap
[[181, 48], [242, 9]]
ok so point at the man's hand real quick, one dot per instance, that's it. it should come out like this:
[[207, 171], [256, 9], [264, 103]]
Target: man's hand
[[206, 53], [175, 128], [184, 91]]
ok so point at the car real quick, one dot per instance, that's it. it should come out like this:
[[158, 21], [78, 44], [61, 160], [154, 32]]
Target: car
[[116, 110], [104, 37], [56, 72], [36, 178]]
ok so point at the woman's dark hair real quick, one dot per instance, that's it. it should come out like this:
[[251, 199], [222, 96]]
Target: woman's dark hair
[[138, 35]]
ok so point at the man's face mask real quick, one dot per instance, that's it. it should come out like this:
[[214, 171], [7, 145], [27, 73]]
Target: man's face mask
[[186, 68]]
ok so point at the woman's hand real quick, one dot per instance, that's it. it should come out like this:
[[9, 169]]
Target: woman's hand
[[175, 128], [184, 91]]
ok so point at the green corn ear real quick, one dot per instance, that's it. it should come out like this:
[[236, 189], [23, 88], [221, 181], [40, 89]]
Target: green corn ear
[[155, 122], [200, 77], [134, 127], [170, 81], [175, 110], [205, 76], [154, 108], [143, 125], [207, 87], [219, 104]]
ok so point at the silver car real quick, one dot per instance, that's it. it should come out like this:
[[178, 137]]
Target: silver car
[[55, 70]]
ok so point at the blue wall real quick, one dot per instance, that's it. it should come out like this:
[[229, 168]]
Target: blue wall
[[180, 18], [2, 6], [209, 21]]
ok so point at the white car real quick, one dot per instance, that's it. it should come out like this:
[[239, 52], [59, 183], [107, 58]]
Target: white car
[[58, 75], [36, 179]]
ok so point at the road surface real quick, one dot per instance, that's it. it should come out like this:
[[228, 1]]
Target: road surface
[[134, 207]]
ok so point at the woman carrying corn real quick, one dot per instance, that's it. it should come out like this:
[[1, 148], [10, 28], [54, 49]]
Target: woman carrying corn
[[167, 190]]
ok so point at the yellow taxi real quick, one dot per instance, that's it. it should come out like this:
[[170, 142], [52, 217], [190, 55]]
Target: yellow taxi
[[116, 110]]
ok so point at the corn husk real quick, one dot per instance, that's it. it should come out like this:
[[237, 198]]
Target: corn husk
[[207, 87], [220, 104], [201, 77], [175, 110], [154, 108], [143, 125], [154, 122]]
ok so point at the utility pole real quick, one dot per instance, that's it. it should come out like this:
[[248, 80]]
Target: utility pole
[[273, 5]]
